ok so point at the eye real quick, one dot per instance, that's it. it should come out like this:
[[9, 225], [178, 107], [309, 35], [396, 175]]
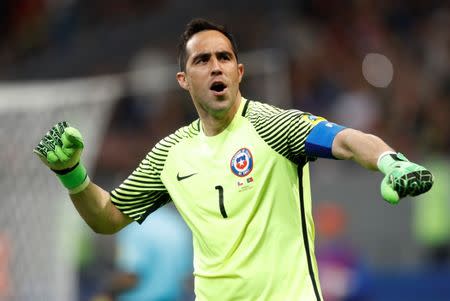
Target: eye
[[201, 59], [224, 56]]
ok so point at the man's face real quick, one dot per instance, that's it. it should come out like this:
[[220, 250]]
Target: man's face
[[212, 73]]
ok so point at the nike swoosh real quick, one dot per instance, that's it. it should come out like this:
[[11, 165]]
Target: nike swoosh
[[180, 178]]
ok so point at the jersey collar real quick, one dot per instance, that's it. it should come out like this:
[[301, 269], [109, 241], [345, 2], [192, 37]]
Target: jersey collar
[[243, 105]]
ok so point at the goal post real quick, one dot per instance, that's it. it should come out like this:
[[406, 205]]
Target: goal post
[[33, 207]]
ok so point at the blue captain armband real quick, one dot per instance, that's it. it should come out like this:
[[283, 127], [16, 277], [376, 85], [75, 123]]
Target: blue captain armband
[[320, 140]]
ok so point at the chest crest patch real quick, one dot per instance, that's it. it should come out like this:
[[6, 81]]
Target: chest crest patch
[[241, 163]]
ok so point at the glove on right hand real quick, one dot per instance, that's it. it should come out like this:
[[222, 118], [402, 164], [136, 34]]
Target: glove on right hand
[[60, 149]]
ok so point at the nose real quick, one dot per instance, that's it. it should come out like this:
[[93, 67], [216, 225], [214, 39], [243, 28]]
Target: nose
[[216, 68]]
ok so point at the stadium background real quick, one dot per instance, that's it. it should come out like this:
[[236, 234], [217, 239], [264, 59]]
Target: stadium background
[[119, 57]]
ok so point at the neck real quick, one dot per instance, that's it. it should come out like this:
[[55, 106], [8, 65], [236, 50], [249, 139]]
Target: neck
[[215, 124]]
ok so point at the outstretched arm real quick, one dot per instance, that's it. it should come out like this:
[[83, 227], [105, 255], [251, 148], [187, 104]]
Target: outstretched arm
[[365, 149], [402, 177]]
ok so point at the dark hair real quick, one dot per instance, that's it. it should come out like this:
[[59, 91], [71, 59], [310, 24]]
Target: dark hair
[[196, 26]]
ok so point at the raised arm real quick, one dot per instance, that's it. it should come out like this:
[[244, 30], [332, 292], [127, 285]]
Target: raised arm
[[95, 207], [60, 149]]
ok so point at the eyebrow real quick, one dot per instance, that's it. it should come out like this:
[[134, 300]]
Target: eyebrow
[[201, 55], [208, 54]]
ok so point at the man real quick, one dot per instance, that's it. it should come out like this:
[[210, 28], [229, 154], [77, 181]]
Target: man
[[238, 176]]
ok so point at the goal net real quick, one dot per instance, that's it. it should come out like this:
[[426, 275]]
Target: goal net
[[35, 235]]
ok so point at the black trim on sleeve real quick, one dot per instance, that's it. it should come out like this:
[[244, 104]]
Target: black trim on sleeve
[[305, 234], [159, 203]]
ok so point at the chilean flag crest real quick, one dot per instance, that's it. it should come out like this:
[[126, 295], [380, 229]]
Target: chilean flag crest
[[242, 162]]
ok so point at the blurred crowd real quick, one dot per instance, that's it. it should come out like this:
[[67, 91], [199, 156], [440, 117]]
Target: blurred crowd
[[412, 112], [325, 43]]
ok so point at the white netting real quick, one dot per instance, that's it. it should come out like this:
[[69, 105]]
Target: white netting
[[34, 261]]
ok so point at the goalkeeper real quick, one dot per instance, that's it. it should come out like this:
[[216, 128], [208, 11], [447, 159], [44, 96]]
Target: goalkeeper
[[238, 176]]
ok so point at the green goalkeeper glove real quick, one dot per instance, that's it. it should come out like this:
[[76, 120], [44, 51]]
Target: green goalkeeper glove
[[60, 149], [402, 177]]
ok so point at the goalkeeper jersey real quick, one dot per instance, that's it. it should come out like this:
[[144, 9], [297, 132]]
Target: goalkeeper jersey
[[245, 195]]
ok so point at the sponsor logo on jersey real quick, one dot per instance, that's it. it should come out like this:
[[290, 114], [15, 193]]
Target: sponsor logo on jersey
[[181, 178], [242, 162]]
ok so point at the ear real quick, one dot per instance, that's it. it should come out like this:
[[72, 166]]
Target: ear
[[181, 78], [240, 71]]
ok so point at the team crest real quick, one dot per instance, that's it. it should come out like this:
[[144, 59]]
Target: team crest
[[242, 162]]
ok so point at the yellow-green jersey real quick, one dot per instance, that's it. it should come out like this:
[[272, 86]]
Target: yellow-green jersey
[[245, 195]]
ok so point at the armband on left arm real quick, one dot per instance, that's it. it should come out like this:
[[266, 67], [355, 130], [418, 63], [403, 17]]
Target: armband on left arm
[[320, 140]]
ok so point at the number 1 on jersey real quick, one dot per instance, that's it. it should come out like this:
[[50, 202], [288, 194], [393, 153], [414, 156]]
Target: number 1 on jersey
[[221, 205]]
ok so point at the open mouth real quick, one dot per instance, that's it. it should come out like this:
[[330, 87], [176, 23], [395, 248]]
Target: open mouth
[[218, 87]]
